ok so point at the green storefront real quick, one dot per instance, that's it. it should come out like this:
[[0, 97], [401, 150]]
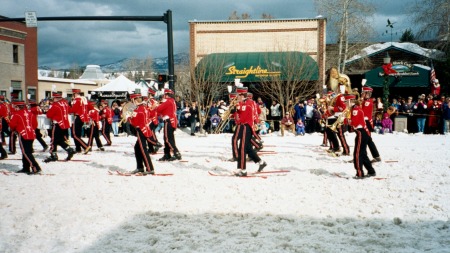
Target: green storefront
[[255, 67]]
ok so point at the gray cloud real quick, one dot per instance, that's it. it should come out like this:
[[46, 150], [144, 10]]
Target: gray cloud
[[62, 44]]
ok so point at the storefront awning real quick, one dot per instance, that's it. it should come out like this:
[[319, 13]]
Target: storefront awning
[[406, 77], [257, 67]]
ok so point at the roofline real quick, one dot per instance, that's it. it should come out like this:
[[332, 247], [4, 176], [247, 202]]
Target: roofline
[[391, 47], [256, 20]]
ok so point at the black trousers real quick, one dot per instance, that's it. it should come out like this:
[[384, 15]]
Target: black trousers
[[106, 131], [169, 139], [141, 152], [372, 147], [245, 147], [360, 157], [94, 134], [331, 135], [39, 137], [5, 130], [77, 128], [59, 137], [28, 161], [235, 142]]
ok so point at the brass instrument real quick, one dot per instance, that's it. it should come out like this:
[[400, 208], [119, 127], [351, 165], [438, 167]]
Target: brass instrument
[[340, 120], [391, 110], [226, 116], [127, 111]]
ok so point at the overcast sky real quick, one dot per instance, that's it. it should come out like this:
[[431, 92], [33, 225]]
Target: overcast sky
[[61, 44]]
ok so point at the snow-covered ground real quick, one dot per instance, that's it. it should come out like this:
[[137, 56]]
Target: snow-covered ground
[[79, 207]]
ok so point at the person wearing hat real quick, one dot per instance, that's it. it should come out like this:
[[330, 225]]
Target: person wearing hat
[[167, 110], [245, 112], [152, 103], [367, 108], [139, 119], [360, 158], [59, 114], [95, 125], [36, 110], [80, 113], [106, 116], [338, 108], [22, 123]]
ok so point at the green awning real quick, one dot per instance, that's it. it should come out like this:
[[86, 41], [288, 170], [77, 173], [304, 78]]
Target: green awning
[[406, 77], [257, 67]]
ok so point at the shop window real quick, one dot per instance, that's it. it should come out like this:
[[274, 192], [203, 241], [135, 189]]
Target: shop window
[[32, 93]]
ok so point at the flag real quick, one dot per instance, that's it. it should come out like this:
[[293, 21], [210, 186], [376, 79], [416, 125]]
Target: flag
[[432, 74]]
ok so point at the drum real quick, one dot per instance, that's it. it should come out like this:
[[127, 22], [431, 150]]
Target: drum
[[44, 122]]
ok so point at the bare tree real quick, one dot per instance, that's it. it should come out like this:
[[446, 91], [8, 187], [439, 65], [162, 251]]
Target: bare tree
[[206, 85], [433, 19], [293, 83], [348, 19], [75, 71], [267, 16]]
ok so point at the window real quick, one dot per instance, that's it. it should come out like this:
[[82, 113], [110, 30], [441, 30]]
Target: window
[[15, 54], [32, 93]]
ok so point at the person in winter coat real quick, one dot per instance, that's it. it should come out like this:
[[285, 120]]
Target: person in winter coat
[[434, 110], [420, 109], [193, 117], [386, 123]]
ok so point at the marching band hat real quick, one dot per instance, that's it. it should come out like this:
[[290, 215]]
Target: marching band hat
[[136, 95], [366, 89], [2, 97], [56, 95], [19, 103], [76, 91], [168, 91], [232, 95], [241, 90], [32, 102], [249, 94], [151, 91], [348, 97]]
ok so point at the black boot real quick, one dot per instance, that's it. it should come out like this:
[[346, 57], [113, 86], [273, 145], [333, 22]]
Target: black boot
[[177, 155], [70, 153], [52, 158], [165, 158]]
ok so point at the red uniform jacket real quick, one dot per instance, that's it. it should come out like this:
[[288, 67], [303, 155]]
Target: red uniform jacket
[[168, 109], [59, 113], [95, 116], [357, 119], [245, 112], [340, 105], [79, 107], [153, 114], [256, 111], [140, 120], [22, 122], [107, 114], [367, 107]]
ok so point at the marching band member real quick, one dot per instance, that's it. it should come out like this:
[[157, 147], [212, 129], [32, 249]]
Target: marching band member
[[168, 111], [338, 108], [95, 125], [360, 157], [245, 112], [106, 122], [36, 110], [153, 121], [234, 138], [256, 139], [22, 122], [59, 114], [139, 119], [80, 113], [367, 108]]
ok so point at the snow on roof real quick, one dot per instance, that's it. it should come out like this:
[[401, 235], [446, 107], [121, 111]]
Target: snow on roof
[[406, 46], [64, 80]]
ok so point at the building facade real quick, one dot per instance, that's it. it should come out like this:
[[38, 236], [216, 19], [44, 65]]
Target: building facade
[[18, 60], [307, 36]]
